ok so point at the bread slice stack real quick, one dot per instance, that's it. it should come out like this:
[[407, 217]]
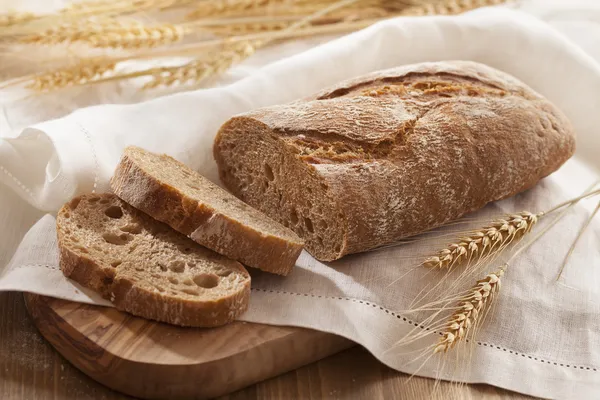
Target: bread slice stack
[[168, 245]]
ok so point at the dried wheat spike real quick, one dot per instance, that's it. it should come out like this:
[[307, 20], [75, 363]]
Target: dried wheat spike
[[109, 33], [450, 7], [470, 309], [274, 24], [80, 30], [136, 36], [244, 29], [490, 239], [196, 71], [89, 5], [228, 7], [15, 18], [82, 73], [98, 7]]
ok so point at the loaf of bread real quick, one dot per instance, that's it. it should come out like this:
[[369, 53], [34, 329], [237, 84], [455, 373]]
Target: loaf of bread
[[146, 268], [392, 154], [173, 193]]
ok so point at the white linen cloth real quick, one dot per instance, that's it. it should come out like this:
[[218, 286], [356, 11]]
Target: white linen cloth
[[544, 337]]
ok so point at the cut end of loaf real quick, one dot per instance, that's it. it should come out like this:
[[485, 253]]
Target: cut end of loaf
[[146, 268], [253, 166]]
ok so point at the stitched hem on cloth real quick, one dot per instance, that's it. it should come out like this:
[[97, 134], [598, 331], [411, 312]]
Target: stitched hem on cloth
[[88, 138], [394, 314], [20, 184], [416, 324]]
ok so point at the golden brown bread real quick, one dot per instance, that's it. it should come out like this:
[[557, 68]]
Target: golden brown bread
[[173, 193], [392, 154], [146, 268]]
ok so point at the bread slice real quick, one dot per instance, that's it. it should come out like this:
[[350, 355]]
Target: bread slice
[[146, 268], [169, 191]]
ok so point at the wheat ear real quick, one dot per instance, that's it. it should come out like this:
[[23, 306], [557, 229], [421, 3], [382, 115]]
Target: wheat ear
[[478, 298], [75, 30], [476, 249], [137, 36], [248, 28], [74, 13], [109, 33], [77, 75], [471, 307], [485, 242], [493, 239], [197, 71]]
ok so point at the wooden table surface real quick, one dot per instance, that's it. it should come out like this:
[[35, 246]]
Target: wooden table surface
[[31, 369]]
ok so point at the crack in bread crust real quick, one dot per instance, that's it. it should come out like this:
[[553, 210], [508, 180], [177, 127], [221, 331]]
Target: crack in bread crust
[[403, 150]]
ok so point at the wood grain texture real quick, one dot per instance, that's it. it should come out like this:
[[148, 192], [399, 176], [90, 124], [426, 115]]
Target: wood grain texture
[[153, 360], [31, 369]]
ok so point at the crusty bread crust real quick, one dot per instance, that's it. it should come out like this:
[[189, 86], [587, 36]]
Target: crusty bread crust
[[131, 292], [399, 152], [208, 225]]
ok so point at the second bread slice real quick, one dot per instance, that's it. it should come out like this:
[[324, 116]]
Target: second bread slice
[[171, 192]]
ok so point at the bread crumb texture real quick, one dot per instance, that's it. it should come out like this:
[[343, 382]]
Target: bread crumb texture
[[146, 268]]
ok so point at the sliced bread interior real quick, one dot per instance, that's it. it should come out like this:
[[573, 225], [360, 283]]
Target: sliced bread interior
[[173, 193], [146, 268]]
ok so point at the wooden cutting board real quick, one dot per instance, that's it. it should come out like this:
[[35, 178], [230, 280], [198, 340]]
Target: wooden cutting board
[[153, 360]]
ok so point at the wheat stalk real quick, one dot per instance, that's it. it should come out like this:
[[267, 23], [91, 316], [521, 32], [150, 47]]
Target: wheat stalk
[[253, 24], [298, 9], [268, 9], [107, 7], [190, 49], [227, 7], [196, 71], [450, 7], [470, 308], [246, 7], [248, 25], [492, 239], [113, 34], [104, 32], [77, 75], [487, 241], [245, 29], [473, 305], [574, 244]]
